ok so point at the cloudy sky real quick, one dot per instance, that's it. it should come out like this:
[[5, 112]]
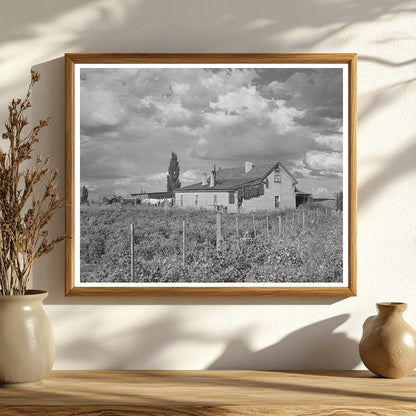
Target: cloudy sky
[[132, 119]]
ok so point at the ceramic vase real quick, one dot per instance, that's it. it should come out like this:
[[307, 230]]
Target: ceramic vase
[[388, 345], [27, 347]]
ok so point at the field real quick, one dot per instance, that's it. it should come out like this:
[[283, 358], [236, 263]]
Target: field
[[305, 247]]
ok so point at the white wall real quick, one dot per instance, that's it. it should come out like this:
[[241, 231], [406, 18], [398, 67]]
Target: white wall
[[285, 189], [205, 199], [197, 333]]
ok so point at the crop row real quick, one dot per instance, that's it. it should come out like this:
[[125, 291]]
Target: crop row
[[293, 246]]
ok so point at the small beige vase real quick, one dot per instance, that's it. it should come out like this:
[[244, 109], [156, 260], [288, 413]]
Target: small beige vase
[[27, 347], [388, 344]]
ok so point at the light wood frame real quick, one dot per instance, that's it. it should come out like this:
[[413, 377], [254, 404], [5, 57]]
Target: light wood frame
[[72, 59]]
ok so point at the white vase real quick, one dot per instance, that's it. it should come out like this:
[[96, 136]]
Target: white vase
[[27, 347]]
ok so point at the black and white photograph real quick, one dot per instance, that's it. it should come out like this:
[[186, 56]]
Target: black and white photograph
[[211, 174]]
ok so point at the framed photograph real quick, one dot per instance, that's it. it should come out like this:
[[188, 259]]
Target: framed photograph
[[211, 174]]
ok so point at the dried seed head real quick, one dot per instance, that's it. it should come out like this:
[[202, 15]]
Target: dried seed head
[[35, 76]]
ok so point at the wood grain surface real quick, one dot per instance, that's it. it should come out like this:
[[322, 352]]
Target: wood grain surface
[[203, 393]]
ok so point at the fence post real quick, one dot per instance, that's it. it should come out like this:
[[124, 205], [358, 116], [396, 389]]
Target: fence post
[[303, 219], [254, 228], [238, 236], [132, 252], [280, 224], [183, 243], [267, 226], [219, 234]]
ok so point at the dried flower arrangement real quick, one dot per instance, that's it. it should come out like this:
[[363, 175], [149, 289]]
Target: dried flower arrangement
[[28, 199]]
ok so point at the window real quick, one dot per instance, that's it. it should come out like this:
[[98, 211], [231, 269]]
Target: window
[[215, 199], [277, 201], [277, 175], [231, 198], [267, 183], [196, 200], [181, 200]]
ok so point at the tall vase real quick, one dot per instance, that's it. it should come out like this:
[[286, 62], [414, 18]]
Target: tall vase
[[27, 347], [388, 345]]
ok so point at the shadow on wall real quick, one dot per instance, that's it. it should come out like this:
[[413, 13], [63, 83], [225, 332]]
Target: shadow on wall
[[314, 347], [391, 170], [48, 101], [51, 27], [241, 28], [152, 345], [141, 347], [150, 24]]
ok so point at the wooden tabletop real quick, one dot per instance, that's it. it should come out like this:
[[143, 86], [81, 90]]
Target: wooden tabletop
[[202, 393]]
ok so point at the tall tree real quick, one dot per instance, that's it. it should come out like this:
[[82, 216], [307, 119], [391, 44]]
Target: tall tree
[[84, 195], [173, 181]]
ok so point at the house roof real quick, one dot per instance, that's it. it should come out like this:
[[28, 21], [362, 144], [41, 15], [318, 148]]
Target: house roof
[[230, 179], [153, 195], [299, 192]]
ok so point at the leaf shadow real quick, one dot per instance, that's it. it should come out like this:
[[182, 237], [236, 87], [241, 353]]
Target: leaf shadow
[[313, 347]]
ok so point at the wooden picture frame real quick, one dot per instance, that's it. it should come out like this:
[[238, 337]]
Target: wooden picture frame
[[268, 86]]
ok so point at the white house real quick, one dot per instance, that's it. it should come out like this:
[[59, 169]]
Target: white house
[[246, 188]]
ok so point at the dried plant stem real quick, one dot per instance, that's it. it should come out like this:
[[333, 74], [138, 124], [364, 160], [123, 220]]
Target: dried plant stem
[[23, 217]]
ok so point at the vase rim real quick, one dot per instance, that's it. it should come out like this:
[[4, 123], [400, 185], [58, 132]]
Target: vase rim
[[30, 293], [400, 306]]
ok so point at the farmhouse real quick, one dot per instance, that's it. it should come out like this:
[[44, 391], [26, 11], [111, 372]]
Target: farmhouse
[[246, 188]]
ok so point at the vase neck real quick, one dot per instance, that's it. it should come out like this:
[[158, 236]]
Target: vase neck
[[390, 308]]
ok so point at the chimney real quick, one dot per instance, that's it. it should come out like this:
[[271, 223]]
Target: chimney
[[248, 166], [212, 181], [204, 179]]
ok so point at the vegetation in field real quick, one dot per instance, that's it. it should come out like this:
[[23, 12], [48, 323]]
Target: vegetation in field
[[297, 252]]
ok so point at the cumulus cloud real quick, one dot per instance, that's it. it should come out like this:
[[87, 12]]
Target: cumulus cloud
[[329, 141], [100, 110], [324, 163], [190, 176], [158, 177], [320, 191], [131, 119], [318, 88]]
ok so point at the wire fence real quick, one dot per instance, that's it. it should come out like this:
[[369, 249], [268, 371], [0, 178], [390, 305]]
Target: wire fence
[[260, 226]]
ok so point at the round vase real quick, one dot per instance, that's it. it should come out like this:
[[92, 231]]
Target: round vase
[[388, 345], [27, 347]]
